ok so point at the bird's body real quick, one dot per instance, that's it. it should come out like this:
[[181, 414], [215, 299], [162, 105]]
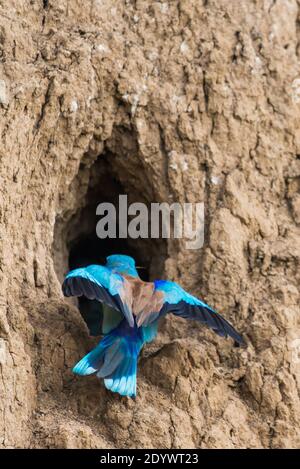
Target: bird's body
[[130, 314]]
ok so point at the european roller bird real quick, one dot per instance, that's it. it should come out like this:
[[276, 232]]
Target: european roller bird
[[131, 310]]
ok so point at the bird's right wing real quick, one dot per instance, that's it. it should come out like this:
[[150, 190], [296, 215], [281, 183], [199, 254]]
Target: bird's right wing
[[169, 297], [96, 282]]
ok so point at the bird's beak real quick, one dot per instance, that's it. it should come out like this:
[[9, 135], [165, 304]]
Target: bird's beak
[[139, 267]]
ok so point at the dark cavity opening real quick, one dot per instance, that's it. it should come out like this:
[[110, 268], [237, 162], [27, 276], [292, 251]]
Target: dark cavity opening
[[76, 243]]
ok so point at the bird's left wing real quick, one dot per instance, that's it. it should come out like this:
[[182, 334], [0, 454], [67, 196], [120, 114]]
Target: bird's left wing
[[97, 282], [169, 297]]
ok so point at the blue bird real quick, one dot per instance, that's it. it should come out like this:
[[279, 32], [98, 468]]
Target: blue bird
[[131, 310]]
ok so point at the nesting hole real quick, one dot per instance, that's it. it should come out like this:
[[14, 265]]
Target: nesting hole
[[76, 243]]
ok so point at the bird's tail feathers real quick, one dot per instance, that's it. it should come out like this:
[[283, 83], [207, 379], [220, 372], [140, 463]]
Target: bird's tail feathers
[[115, 360], [120, 374]]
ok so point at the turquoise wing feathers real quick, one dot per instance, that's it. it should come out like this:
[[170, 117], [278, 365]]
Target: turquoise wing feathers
[[185, 305], [100, 283]]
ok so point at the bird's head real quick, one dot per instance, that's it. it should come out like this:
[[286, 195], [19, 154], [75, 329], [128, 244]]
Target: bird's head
[[122, 264]]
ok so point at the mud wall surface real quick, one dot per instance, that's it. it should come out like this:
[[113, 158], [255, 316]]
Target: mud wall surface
[[165, 101]]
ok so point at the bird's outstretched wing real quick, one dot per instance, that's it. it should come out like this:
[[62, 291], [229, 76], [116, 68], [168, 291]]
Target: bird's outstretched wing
[[169, 297], [96, 282]]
